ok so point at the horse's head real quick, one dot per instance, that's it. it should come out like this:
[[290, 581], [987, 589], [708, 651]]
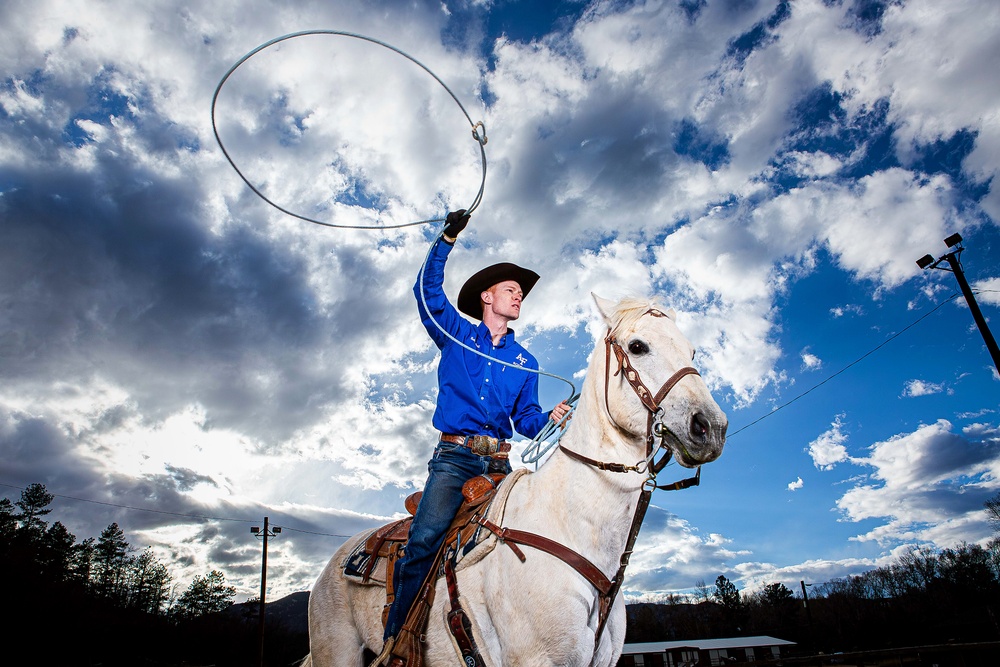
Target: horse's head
[[654, 348]]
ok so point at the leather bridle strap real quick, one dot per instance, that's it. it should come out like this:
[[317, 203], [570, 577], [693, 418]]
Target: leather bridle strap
[[600, 465], [616, 583], [458, 621], [512, 537], [649, 400]]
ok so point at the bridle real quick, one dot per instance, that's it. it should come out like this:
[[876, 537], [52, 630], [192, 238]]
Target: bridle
[[655, 428]]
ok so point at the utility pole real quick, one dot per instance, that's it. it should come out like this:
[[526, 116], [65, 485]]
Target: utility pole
[[809, 618], [266, 533], [805, 602], [955, 266]]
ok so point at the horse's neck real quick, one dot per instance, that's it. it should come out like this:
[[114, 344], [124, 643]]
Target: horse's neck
[[586, 509]]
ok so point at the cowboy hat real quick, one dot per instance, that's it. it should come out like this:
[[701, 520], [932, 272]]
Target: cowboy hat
[[468, 298]]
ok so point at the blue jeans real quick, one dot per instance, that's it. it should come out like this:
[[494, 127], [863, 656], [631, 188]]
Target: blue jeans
[[451, 466]]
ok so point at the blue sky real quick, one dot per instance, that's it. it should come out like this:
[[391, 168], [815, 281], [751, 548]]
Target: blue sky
[[169, 342]]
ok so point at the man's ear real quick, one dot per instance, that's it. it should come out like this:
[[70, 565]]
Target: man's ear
[[486, 296]]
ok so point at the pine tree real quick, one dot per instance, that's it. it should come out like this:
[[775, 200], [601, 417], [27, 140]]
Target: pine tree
[[726, 593], [110, 562], [733, 609], [148, 583], [81, 564], [8, 525], [55, 552], [206, 595], [34, 504]]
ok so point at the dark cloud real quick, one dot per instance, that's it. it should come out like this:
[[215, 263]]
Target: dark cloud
[[113, 273]]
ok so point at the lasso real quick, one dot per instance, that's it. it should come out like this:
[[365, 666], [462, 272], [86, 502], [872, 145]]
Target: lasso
[[534, 452]]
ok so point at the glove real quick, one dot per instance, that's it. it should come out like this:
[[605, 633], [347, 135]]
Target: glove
[[455, 223]]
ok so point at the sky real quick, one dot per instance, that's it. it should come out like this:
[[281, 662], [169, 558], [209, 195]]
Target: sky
[[182, 358]]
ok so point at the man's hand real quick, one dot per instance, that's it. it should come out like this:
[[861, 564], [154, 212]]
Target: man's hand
[[559, 412], [454, 224]]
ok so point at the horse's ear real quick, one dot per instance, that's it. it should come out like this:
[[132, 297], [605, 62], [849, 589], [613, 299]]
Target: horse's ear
[[605, 306], [671, 313]]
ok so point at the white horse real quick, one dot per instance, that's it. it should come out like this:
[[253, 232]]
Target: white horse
[[542, 611]]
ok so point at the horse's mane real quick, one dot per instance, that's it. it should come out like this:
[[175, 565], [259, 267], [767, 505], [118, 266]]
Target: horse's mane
[[629, 310]]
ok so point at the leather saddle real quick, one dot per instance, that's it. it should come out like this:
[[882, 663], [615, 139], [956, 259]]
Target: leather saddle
[[389, 542]]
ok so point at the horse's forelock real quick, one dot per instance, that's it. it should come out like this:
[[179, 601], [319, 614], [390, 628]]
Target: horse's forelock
[[628, 311]]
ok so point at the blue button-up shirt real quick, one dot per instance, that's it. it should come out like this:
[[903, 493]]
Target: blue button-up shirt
[[476, 395]]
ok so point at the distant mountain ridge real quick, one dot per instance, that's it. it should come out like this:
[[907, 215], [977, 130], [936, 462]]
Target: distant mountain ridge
[[290, 612]]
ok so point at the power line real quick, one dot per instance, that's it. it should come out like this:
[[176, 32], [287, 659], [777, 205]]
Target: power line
[[853, 363]]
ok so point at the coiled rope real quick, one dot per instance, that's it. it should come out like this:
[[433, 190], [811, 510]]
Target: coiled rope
[[535, 450], [480, 137]]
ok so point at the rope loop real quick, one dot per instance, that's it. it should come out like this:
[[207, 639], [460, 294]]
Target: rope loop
[[218, 138]]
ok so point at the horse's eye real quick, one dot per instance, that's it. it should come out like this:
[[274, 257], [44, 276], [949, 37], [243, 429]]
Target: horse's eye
[[638, 347]]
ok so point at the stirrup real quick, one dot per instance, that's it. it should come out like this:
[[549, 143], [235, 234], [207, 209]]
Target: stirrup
[[383, 657]]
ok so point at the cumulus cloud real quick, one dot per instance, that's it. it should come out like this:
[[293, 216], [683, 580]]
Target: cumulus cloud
[[928, 485], [841, 311], [671, 555], [810, 361], [922, 388], [828, 449], [987, 291], [796, 485]]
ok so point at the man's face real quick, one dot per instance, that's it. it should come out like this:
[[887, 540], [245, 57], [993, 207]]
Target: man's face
[[503, 299]]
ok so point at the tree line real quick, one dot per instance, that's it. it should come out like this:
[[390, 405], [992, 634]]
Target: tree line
[[107, 568], [103, 602], [922, 597]]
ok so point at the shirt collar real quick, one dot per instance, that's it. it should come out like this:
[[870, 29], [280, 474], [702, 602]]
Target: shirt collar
[[484, 333]]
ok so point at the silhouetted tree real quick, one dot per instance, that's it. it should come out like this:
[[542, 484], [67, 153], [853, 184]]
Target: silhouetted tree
[[55, 551], [993, 511], [733, 610], [34, 504], [205, 595], [726, 593], [110, 563], [8, 526], [81, 563], [148, 583]]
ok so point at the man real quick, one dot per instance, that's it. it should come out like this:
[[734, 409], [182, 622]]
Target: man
[[478, 398]]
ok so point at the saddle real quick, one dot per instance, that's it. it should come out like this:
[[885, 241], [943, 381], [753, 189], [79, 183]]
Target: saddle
[[388, 544]]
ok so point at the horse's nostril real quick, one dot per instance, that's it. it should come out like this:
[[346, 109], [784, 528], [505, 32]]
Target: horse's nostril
[[700, 426]]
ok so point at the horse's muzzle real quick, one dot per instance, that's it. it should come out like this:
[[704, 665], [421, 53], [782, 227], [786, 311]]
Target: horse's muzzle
[[706, 438]]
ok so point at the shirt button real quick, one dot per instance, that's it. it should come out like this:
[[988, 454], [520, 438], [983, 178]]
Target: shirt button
[[487, 379]]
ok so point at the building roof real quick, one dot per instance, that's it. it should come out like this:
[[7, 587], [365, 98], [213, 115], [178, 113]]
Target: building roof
[[705, 644]]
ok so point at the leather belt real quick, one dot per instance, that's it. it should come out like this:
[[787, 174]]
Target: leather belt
[[483, 445]]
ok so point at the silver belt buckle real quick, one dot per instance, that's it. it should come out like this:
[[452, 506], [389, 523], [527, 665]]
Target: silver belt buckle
[[483, 445]]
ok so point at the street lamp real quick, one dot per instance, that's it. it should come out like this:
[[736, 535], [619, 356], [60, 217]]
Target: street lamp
[[954, 243], [266, 533]]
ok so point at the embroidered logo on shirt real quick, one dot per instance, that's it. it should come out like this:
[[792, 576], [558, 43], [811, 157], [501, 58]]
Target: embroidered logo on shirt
[[520, 359]]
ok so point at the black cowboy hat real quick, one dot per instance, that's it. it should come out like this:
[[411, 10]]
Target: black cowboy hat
[[468, 298]]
